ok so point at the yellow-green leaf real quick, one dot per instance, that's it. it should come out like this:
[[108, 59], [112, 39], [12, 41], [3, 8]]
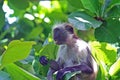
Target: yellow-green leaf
[[17, 50], [18, 73], [104, 52], [115, 68]]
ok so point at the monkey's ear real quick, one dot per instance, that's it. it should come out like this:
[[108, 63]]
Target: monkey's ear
[[69, 28]]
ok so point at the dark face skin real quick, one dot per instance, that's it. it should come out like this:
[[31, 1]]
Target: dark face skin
[[60, 33], [59, 36]]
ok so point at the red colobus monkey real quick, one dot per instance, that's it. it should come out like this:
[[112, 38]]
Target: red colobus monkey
[[74, 54]]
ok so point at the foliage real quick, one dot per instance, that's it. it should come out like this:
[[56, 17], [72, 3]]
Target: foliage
[[25, 35]]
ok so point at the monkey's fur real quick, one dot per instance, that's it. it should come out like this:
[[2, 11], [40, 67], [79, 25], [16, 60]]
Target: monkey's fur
[[73, 54]]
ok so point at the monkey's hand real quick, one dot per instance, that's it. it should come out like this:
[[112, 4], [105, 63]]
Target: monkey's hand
[[52, 63], [54, 66], [62, 72]]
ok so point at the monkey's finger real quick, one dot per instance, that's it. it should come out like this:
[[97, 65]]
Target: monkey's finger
[[54, 65], [43, 60], [61, 74]]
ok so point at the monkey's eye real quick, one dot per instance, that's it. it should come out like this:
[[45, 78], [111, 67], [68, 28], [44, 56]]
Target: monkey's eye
[[56, 29], [69, 28]]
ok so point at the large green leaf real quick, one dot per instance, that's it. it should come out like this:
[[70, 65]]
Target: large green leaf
[[82, 21], [103, 5], [105, 55], [109, 32], [91, 5], [18, 73], [49, 50], [114, 12], [17, 50], [104, 52], [115, 68], [19, 4], [113, 3]]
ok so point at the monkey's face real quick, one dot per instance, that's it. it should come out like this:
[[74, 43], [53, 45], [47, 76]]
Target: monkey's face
[[59, 36], [61, 33]]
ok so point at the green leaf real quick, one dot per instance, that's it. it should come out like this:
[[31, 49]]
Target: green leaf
[[49, 50], [91, 5], [70, 75], [76, 3], [4, 76], [82, 21], [113, 3], [101, 73], [104, 52], [18, 73], [115, 68], [17, 50], [109, 32], [2, 18], [105, 55], [35, 32], [114, 12], [103, 5], [19, 4]]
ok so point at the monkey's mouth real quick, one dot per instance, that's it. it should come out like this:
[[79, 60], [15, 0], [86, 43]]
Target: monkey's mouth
[[58, 42]]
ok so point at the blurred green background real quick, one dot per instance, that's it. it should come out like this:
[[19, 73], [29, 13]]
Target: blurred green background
[[26, 34]]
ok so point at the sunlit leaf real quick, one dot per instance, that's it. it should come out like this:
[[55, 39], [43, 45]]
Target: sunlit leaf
[[83, 21], [17, 50], [18, 73], [101, 73], [105, 55], [115, 68], [104, 52]]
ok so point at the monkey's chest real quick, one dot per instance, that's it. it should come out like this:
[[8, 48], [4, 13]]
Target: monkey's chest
[[73, 57]]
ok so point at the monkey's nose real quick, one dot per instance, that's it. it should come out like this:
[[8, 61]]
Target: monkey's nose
[[55, 38]]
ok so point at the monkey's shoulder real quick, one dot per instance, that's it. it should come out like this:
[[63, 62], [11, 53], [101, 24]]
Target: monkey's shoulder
[[82, 44]]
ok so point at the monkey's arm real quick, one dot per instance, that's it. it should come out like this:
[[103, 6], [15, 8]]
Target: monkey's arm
[[54, 66], [83, 68], [50, 74]]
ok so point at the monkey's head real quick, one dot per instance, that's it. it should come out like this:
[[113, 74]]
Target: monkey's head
[[62, 33]]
